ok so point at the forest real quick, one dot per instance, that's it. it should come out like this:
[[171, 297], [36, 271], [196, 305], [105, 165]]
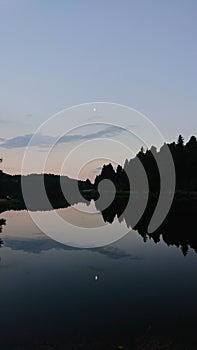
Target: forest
[[185, 162]]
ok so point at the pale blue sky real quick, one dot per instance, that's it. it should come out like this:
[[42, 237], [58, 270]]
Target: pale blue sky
[[55, 54]]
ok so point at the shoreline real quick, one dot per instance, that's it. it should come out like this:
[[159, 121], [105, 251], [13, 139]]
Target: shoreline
[[17, 204]]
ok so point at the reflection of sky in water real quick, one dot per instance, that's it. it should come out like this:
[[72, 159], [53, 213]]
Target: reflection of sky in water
[[78, 228], [50, 290]]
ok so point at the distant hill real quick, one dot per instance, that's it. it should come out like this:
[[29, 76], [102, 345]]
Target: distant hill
[[55, 185]]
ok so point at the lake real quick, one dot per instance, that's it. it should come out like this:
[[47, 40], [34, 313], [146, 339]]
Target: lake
[[127, 294]]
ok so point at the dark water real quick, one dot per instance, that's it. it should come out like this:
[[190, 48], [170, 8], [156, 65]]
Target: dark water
[[49, 295]]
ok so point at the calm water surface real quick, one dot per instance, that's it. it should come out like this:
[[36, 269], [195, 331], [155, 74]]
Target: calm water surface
[[48, 291]]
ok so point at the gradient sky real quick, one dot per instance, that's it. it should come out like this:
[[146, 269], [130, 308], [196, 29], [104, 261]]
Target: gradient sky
[[56, 54]]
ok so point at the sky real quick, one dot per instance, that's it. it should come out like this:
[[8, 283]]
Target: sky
[[56, 54]]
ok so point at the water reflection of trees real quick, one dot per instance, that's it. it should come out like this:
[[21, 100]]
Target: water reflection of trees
[[2, 223], [179, 227]]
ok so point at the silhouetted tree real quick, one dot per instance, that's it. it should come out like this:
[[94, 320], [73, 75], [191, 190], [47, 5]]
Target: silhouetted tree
[[180, 142]]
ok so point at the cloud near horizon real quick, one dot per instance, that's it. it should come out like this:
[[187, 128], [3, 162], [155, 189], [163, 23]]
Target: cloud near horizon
[[47, 140]]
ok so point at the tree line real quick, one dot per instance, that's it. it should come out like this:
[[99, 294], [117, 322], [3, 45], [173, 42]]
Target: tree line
[[185, 161]]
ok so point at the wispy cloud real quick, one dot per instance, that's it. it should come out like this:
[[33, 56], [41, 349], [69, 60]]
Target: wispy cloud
[[110, 131], [46, 140], [19, 141], [22, 141]]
